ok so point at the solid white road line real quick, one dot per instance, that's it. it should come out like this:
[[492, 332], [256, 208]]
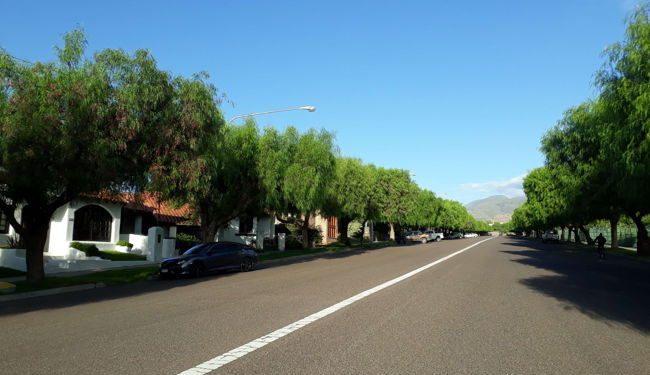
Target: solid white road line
[[241, 351]]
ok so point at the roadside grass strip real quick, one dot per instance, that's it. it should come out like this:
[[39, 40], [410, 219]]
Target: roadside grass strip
[[223, 359]]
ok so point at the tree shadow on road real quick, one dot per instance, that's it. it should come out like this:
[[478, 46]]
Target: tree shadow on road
[[614, 291], [152, 286]]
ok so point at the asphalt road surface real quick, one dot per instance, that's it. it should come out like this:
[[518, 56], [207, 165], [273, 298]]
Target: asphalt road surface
[[504, 306]]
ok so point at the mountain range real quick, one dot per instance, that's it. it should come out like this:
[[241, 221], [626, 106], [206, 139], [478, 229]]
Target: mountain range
[[497, 208]]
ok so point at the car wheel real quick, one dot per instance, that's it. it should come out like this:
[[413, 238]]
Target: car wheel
[[437, 239], [424, 240], [246, 265], [197, 270]]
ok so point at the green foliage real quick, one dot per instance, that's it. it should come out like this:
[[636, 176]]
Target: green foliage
[[90, 249], [187, 237], [125, 243], [598, 155], [295, 169], [82, 125], [349, 192], [395, 195]]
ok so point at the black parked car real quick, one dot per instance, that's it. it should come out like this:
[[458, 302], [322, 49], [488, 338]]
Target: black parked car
[[210, 257]]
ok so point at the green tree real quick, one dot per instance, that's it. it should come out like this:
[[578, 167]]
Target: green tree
[[219, 178], [80, 126], [350, 194], [625, 84], [395, 196], [426, 212], [295, 171]]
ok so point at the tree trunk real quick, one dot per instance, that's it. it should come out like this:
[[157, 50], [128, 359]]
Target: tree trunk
[[577, 235], [208, 225], [584, 231], [613, 225], [36, 224], [363, 230], [642, 241], [343, 223], [305, 231], [562, 234], [568, 235], [391, 232]]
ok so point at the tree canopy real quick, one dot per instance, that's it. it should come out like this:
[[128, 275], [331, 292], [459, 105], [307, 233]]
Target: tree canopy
[[84, 125]]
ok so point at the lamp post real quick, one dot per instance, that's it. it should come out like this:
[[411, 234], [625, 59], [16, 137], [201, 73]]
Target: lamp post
[[308, 108]]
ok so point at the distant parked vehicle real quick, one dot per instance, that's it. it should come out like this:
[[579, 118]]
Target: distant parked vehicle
[[210, 257], [470, 235], [550, 235], [432, 235], [416, 236], [455, 236]]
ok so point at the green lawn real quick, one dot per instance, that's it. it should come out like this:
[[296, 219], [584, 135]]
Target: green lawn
[[117, 256], [627, 252], [113, 277], [127, 276], [10, 272]]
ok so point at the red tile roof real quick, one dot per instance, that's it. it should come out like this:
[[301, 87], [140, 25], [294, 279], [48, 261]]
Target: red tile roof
[[163, 211]]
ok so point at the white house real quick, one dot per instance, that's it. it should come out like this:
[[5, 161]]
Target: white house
[[105, 219]]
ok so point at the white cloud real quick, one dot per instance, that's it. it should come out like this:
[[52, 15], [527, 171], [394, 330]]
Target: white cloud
[[510, 188]]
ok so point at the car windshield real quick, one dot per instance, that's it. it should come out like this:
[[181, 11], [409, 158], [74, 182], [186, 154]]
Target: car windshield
[[198, 249]]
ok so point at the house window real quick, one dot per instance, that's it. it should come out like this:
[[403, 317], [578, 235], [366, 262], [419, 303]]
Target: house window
[[4, 223], [245, 225], [331, 227], [92, 223]]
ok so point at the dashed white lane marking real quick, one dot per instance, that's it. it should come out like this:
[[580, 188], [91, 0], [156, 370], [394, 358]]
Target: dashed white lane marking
[[216, 362]]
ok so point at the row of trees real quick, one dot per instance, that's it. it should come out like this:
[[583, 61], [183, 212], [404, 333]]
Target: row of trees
[[116, 122], [598, 156]]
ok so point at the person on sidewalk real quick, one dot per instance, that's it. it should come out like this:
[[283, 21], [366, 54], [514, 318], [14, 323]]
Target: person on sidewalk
[[600, 241]]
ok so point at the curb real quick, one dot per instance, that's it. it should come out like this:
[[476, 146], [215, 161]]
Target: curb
[[52, 291], [76, 288]]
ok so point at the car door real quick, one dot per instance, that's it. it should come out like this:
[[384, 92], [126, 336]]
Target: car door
[[212, 257], [228, 255]]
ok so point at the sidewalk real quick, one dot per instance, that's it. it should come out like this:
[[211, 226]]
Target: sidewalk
[[141, 264]]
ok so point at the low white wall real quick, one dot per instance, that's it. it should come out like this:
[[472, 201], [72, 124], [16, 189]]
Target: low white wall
[[13, 258], [139, 243], [169, 248]]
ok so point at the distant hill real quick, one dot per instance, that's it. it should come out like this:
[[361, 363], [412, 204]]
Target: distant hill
[[498, 208]]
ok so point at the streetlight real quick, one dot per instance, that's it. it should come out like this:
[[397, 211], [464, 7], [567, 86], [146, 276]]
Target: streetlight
[[303, 108]]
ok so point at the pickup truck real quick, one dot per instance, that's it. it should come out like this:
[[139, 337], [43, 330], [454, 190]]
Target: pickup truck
[[416, 236], [434, 236]]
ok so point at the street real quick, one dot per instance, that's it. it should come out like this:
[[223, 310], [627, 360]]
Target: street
[[504, 306]]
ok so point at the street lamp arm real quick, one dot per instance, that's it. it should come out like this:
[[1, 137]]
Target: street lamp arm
[[305, 108]]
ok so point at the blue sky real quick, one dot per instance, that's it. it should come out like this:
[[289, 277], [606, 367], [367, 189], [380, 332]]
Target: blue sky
[[459, 93]]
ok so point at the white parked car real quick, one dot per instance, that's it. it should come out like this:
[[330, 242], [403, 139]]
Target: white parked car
[[470, 235], [550, 235], [432, 235]]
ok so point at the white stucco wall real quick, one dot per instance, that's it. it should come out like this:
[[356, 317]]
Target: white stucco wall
[[265, 228], [12, 232], [262, 227], [320, 222], [62, 226]]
